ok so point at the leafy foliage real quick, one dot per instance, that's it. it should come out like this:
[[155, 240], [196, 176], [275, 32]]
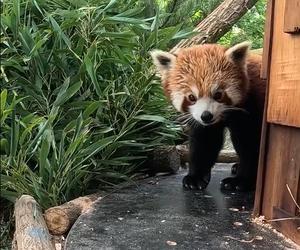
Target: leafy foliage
[[250, 27], [79, 105], [187, 12], [190, 12]]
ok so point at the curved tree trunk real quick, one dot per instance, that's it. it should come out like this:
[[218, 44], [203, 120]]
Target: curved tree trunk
[[218, 22]]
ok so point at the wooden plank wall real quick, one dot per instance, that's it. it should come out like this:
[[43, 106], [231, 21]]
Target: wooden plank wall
[[283, 168], [279, 164], [284, 95]]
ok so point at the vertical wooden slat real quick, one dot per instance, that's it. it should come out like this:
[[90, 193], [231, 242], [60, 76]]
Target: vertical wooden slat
[[264, 74], [282, 167], [268, 34]]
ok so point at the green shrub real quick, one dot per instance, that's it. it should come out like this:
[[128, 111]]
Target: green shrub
[[80, 106], [250, 27]]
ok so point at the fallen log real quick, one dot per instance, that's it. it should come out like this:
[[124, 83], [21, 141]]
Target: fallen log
[[168, 159], [225, 156], [31, 230], [60, 219], [165, 159]]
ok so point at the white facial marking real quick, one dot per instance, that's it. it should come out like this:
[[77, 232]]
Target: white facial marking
[[206, 104], [234, 94], [177, 100]]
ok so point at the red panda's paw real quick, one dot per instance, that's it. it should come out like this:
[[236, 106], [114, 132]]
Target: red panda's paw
[[194, 182], [237, 184]]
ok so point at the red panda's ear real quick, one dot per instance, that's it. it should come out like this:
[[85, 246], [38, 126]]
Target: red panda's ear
[[238, 52], [162, 60]]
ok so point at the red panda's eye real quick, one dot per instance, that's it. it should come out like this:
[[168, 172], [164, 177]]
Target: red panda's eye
[[218, 95], [192, 98]]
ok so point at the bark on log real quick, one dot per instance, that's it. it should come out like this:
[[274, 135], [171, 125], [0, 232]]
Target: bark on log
[[31, 230], [60, 219], [165, 159], [14, 243], [168, 159], [218, 22], [225, 156]]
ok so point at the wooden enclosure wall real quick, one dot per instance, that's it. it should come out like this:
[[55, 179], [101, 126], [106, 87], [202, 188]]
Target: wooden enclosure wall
[[284, 101], [279, 166]]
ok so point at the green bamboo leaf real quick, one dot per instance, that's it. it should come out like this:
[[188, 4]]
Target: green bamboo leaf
[[184, 34], [97, 146], [131, 12], [91, 109], [14, 138], [27, 42], [3, 97], [37, 6], [67, 94], [43, 155], [34, 143], [73, 147], [16, 16], [59, 31], [61, 151], [129, 20], [7, 179], [9, 195], [155, 118], [121, 35], [105, 130], [92, 74], [79, 123], [155, 23], [110, 4]]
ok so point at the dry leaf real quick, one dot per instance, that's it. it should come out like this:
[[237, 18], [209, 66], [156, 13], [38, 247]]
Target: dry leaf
[[171, 243], [258, 237], [233, 209], [238, 224]]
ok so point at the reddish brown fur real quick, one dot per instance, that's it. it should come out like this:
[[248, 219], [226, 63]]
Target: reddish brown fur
[[257, 86], [204, 65], [219, 87]]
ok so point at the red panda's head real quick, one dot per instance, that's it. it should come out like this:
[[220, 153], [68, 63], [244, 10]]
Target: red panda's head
[[204, 80]]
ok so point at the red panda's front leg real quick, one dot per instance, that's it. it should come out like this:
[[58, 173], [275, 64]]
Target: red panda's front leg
[[205, 145], [245, 133]]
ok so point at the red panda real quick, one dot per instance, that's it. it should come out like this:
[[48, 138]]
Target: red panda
[[216, 87]]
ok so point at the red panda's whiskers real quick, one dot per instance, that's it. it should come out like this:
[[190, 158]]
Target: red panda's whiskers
[[183, 117], [188, 121], [193, 123], [234, 109]]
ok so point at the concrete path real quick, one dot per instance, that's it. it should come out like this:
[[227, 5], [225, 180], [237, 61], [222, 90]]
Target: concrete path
[[159, 214]]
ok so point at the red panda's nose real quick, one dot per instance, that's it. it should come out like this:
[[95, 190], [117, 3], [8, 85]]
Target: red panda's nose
[[207, 116]]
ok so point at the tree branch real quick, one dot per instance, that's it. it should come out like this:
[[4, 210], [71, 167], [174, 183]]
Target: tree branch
[[218, 22]]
